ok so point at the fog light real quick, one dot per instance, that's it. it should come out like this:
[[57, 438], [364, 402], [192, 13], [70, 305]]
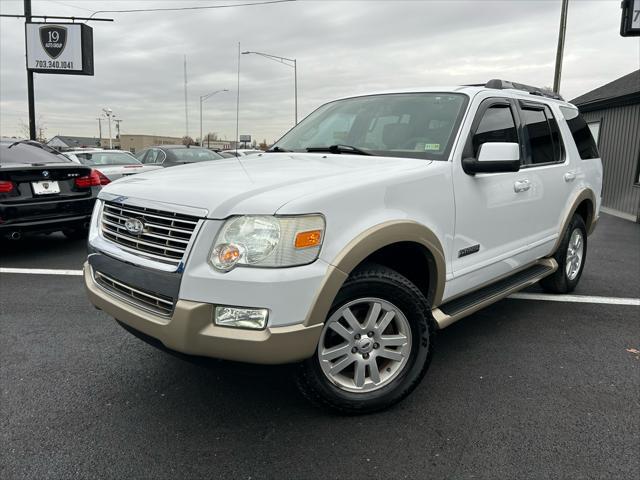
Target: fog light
[[254, 318]]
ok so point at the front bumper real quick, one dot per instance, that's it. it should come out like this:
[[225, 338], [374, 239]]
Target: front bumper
[[190, 330]]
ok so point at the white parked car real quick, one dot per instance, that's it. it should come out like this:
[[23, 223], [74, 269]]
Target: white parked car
[[373, 223], [111, 164]]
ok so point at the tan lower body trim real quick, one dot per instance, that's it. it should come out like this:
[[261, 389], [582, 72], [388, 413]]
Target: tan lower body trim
[[191, 330], [443, 320]]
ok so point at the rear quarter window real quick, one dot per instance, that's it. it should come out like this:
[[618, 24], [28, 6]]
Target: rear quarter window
[[581, 133]]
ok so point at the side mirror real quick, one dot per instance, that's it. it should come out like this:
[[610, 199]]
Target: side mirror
[[494, 157]]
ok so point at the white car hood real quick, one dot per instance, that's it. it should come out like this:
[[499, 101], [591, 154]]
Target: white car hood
[[256, 184]]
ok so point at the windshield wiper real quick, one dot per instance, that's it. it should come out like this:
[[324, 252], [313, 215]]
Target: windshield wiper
[[339, 149], [277, 149]]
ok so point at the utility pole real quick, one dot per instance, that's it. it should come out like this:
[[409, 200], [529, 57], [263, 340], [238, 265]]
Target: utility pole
[[186, 108], [560, 51], [99, 130], [30, 94], [117, 120], [238, 103]]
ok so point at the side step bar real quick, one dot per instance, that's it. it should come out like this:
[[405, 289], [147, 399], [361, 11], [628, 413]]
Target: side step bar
[[460, 307]]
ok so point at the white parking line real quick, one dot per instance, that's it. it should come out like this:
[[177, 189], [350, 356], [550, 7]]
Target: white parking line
[[575, 298], [516, 296], [41, 271]]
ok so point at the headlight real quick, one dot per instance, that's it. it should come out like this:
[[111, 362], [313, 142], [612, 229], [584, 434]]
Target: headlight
[[267, 241]]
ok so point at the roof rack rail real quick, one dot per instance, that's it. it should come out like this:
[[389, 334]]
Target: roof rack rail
[[504, 84]]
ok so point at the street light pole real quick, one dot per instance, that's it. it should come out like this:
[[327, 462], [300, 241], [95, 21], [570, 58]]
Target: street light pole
[[295, 86], [109, 113], [99, 130], [289, 62], [202, 99]]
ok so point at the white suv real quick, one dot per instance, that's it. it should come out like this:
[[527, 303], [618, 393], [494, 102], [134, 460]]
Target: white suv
[[372, 224]]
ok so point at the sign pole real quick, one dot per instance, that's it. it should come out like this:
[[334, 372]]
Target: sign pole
[[30, 94], [560, 51]]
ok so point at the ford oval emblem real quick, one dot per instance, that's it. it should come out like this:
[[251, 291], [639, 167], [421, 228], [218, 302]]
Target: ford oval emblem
[[45, 173], [134, 226]]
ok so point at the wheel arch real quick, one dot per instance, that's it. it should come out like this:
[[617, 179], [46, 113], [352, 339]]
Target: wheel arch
[[380, 244], [584, 204]]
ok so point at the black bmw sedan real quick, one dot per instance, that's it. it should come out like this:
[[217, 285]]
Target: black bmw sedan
[[43, 191]]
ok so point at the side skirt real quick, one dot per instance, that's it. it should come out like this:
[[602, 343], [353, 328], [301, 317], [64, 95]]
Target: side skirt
[[465, 305]]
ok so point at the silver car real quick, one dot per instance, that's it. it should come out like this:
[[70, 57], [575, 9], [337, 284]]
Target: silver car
[[111, 164]]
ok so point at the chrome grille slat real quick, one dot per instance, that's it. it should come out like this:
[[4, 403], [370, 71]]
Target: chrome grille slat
[[165, 237], [142, 242], [143, 211], [158, 304], [149, 234]]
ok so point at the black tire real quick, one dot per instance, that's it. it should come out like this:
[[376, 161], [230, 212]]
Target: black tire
[[559, 282], [375, 281], [76, 233]]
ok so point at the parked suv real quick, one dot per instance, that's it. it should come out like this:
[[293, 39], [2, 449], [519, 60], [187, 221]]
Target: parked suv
[[372, 224]]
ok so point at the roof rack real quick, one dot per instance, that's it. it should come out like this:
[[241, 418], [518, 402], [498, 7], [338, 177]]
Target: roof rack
[[504, 84]]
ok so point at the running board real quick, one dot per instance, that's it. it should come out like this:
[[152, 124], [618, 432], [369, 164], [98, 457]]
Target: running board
[[460, 307]]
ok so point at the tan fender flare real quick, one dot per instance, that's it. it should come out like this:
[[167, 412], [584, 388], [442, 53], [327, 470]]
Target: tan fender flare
[[590, 223], [363, 246]]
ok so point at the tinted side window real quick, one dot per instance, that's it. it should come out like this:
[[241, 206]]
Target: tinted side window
[[497, 125], [581, 133], [141, 156], [555, 134], [543, 133], [152, 156]]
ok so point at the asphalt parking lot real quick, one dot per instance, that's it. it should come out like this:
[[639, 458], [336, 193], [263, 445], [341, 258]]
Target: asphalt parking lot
[[522, 389]]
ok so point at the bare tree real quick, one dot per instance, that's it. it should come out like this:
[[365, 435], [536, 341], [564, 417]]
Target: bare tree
[[41, 128], [186, 140]]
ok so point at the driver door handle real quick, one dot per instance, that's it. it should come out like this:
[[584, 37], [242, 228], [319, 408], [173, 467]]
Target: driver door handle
[[521, 185]]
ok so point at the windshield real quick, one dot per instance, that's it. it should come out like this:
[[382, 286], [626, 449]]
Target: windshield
[[416, 125], [106, 158], [28, 154], [194, 154]]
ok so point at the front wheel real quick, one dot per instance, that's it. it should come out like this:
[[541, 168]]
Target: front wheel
[[375, 346], [571, 257]]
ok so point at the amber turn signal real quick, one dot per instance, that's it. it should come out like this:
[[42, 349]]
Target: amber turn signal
[[308, 239]]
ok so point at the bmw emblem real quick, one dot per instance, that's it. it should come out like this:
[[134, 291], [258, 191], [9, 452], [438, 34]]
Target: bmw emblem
[[45, 173], [134, 226]]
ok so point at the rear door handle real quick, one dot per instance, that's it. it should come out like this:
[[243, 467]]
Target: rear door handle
[[569, 176], [521, 186]]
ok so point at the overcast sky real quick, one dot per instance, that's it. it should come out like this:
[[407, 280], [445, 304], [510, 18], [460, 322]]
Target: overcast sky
[[342, 48]]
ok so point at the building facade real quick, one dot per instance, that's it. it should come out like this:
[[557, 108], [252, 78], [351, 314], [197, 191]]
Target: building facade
[[613, 114], [135, 143]]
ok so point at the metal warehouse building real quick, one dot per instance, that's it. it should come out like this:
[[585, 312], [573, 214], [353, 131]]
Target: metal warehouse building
[[613, 114]]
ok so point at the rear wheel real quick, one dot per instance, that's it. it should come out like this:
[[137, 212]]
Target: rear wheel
[[571, 257], [375, 345]]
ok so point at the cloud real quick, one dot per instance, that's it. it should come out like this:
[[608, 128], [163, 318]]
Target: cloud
[[342, 48]]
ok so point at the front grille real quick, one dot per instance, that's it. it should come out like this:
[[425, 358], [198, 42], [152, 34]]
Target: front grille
[[158, 304], [165, 236]]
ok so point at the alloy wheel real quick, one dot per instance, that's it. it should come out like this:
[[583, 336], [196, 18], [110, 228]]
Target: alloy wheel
[[364, 345], [575, 253]]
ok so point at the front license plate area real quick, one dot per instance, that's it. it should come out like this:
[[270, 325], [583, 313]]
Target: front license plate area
[[45, 188]]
